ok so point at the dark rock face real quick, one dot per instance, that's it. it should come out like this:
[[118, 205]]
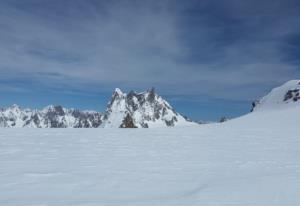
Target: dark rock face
[[59, 110], [223, 119], [292, 94], [87, 120], [151, 96], [128, 122], [171, 123], [254, 104], [35, 118], [3, 122]]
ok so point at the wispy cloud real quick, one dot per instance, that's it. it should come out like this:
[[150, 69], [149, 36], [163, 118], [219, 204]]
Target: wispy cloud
[[231, 49]]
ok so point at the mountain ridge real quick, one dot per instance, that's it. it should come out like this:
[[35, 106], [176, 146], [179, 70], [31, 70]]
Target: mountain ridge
[[52, 116], [132, 110]]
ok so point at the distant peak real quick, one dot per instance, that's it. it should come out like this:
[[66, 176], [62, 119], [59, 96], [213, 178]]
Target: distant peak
[[55, 107], [144, 109], [52, 108], [15, 105], [151, 90], [48, 107], [118, 91]]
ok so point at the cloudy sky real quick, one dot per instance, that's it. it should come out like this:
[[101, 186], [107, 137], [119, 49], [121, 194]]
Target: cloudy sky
[[209, 58]]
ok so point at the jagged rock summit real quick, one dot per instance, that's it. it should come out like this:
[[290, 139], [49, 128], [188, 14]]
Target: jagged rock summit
[[284, 96], [140, 110]]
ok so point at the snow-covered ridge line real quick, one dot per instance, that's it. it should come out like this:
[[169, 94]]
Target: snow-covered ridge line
[[284, 96], [133, 110], [48, 117]]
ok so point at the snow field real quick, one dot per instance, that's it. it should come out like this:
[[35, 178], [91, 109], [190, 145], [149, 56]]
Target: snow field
[[253, 160]]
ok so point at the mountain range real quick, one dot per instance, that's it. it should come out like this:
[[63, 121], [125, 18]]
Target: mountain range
[[132, 110], [49, 117]]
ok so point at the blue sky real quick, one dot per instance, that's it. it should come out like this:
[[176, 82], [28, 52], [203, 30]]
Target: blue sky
[[208, 58]]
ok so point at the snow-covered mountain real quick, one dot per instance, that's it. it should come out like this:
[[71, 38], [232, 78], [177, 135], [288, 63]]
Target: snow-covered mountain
[[284, 96], [145, 109], [49, 117], [132, 110]]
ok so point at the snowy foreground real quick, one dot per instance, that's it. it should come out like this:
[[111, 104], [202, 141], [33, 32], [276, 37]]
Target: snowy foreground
[[253, 160]]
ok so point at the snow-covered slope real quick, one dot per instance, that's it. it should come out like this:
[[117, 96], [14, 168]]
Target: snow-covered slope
[[49, 117], [146, 109], [250, 161], [285, 96]]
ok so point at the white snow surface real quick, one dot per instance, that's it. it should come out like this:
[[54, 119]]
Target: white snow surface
[[249, 161]]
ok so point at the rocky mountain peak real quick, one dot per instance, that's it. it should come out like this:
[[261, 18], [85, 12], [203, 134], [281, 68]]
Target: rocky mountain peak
[[144, 109], [14, 107], [118, 92]]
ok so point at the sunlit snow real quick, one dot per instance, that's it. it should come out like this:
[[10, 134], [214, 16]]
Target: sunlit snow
[[253, 160]]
